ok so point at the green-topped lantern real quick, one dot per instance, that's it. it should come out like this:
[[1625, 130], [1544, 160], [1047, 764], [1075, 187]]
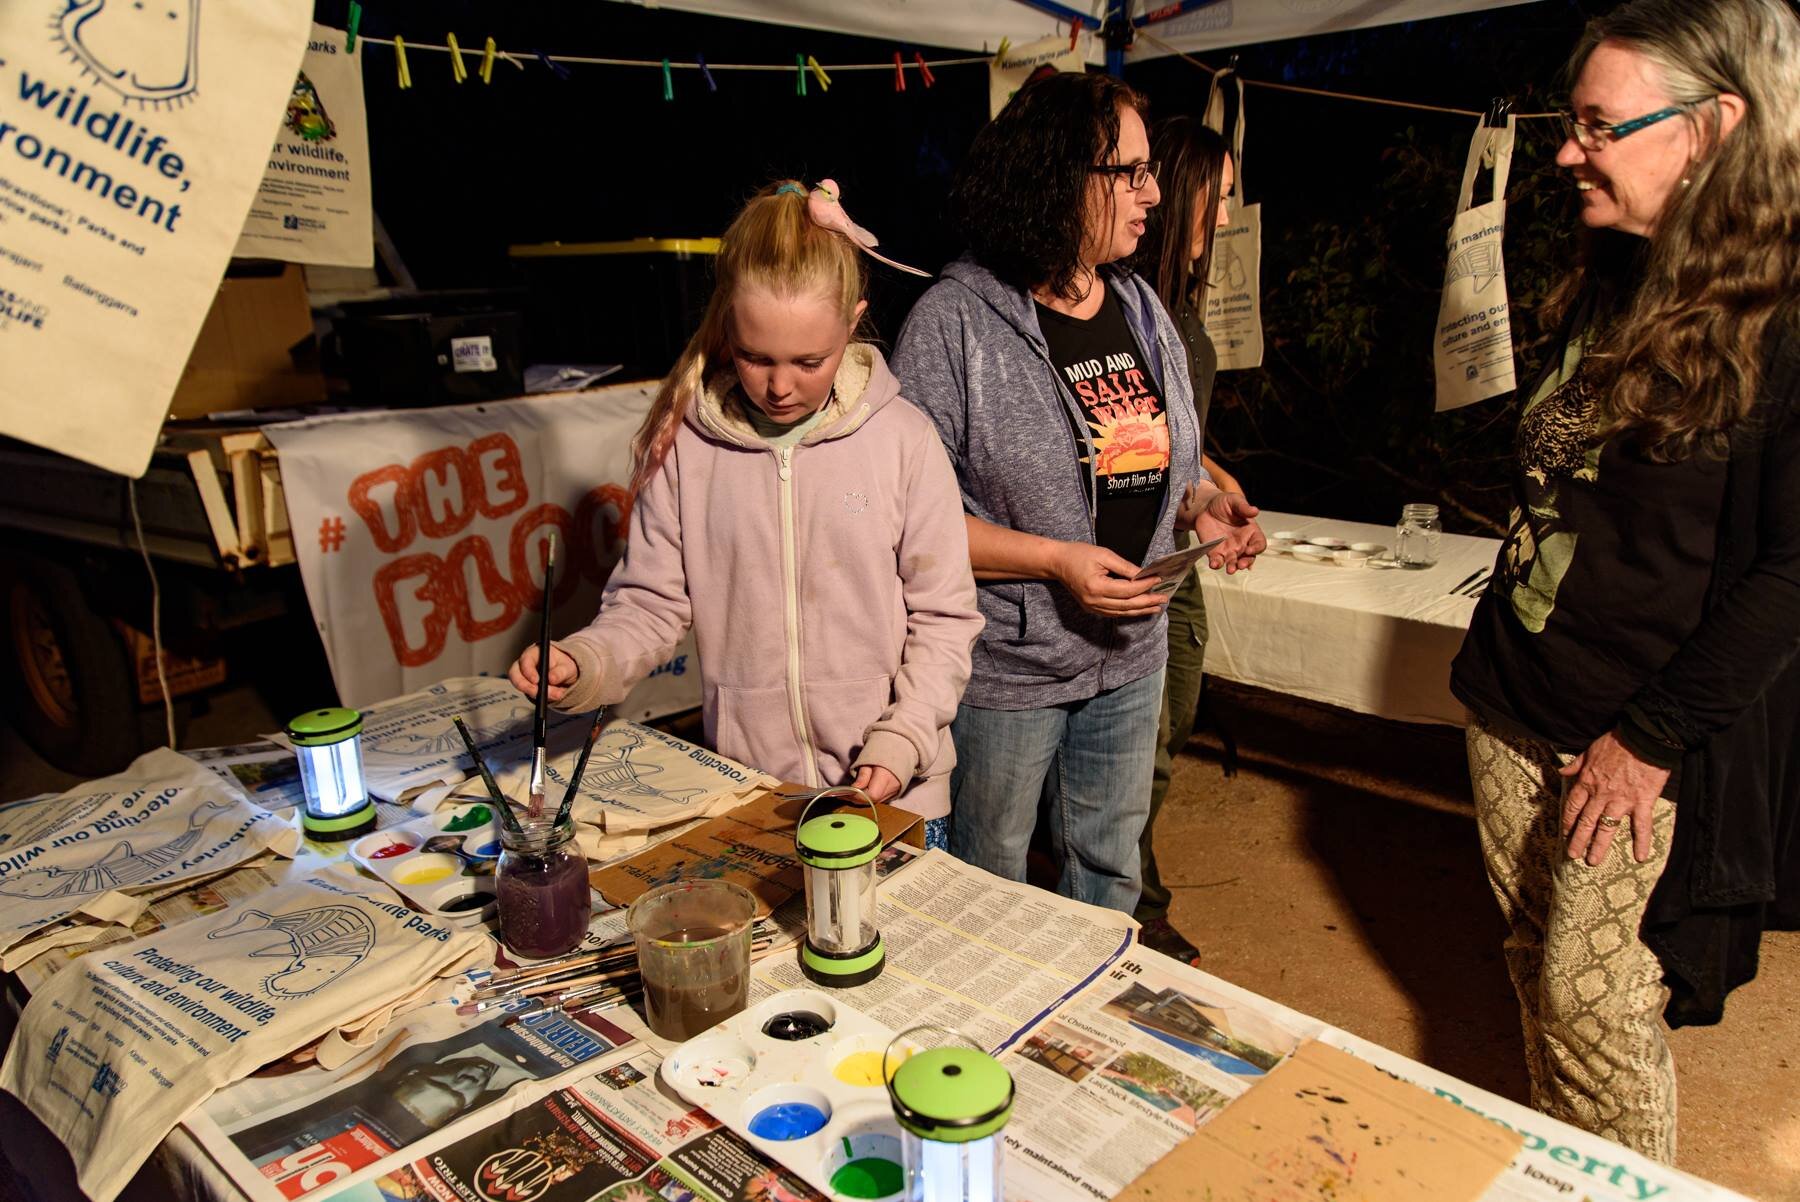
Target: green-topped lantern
[[843, 946], [951, 1102], [329, 746]]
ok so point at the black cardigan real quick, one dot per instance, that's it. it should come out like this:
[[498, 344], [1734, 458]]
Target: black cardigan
[[1730, 699]]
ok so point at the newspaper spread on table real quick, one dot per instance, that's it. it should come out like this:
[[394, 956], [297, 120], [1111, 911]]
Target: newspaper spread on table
[[98, 849], [110, 1054]]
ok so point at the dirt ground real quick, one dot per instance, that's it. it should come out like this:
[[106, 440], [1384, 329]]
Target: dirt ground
[[1337, 872]]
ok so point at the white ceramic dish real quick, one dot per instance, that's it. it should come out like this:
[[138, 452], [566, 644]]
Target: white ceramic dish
[[1369, 549], [1350, 558], [740, 1074], [1311, 553], [449, 873], [1330, 544]]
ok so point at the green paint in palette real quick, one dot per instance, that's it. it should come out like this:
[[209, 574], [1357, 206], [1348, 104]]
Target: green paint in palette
[[868, 1177], [478, 816]]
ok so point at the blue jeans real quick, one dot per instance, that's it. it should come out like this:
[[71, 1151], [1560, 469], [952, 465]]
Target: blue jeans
[[1088, 762]]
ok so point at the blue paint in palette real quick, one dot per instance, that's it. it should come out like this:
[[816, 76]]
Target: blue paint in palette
[[487, 851], [787, 1120]]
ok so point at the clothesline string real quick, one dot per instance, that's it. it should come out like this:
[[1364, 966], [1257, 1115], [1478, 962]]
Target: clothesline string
[[1288, 87], [972, 60]]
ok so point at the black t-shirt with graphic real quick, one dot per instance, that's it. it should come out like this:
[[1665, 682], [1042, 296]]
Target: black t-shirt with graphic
[[1600, 580], [1127, 423]]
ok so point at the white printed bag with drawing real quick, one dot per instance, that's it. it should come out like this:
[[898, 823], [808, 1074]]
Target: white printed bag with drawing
[[114, 1049], [1234, 293], [1474, 349]]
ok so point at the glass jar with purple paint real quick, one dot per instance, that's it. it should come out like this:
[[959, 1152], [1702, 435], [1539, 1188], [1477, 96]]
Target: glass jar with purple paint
[[542, 884]]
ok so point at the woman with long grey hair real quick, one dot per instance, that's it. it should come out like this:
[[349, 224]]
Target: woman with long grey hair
[[1630, 674]]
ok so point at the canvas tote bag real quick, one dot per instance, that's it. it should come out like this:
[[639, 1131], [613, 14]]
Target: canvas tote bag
[[1474, 350], [1233, 314]]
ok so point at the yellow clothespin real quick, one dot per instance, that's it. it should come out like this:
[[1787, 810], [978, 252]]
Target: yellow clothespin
[[457, 71], [1000, 54], [405, 73], [812, 65], [487, 61]]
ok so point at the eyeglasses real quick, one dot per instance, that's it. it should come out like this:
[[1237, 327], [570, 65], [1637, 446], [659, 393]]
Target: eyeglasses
[[1137, 174], [1595, 137]]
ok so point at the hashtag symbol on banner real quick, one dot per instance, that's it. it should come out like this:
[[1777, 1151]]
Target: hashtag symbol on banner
[[331, 534]]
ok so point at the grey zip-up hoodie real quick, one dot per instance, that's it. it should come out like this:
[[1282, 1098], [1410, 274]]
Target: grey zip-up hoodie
[[972, 356]]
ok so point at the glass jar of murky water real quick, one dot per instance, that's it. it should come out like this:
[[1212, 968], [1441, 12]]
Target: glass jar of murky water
[[1416, 536]]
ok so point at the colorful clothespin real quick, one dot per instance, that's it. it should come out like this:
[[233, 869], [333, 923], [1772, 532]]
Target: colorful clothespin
[[1000, 54], [899, 73], [819, 73], [556, 68], [351, 26], [799, 75], [668, 82], [924, 69], [488, 50], [400, 67], [705, 74], [458, 72], [1074, 33]]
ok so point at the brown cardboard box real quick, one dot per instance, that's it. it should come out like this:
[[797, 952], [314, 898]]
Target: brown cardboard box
[[1324, 1124], [752, 845], [241, 360]]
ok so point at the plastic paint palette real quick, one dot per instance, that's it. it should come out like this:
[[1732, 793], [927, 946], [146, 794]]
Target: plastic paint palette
[[798, 1075], [442, 864]]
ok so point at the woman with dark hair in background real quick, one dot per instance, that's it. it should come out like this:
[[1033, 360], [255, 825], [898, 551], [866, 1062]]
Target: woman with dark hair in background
[[1175, 255], [1630, 672], [1060, 388]]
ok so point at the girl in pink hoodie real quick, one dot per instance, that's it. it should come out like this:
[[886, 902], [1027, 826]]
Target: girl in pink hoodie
[[802, 517]]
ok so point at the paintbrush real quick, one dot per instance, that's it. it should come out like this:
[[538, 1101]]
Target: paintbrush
[[536, 809], [558, 983], [559, 963], [507, 818], [587, 749]]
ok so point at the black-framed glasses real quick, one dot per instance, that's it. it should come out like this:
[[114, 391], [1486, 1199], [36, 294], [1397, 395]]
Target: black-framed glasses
[[1137, 174], [1595, 137]]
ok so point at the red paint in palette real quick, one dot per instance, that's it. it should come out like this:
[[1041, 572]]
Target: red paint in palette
[[392, 849]]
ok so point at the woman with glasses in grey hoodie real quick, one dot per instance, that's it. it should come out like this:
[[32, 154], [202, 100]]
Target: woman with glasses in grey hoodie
[[1059, 386]]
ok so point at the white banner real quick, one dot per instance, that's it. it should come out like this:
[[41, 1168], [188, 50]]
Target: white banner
[[313, 206], [421, 534], [131, 141], [1233, 316], [1017, 65], [1474, 350]]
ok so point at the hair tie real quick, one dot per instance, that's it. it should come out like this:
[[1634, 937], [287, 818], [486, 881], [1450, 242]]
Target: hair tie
[[796, 189], [827, 213]]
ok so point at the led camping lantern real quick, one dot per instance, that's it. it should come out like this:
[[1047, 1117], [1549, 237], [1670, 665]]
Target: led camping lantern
[[837, 851], [951, 1102], [328, 744]]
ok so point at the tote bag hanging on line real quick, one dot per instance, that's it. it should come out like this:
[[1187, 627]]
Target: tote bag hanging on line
[[1233, 314], [1474, 348]]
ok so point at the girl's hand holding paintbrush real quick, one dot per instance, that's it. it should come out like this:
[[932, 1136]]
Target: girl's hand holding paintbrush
[[524, 672]]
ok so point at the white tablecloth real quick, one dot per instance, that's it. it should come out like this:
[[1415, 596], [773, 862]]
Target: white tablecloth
[[1378, 641]]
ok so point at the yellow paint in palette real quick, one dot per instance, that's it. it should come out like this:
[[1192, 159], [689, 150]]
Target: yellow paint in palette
[[863, 1069], [425, 874]]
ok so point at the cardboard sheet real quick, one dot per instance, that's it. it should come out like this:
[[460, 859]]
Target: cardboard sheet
[[1327, 1125], [752, 846]]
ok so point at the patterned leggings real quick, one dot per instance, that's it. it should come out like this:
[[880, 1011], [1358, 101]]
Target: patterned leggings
[[1590, 992]]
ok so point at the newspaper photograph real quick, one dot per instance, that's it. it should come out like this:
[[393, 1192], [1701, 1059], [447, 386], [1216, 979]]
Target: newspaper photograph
[[970, 950], [611, 1137]]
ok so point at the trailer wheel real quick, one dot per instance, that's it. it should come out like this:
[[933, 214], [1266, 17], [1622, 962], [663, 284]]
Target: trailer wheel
[[70, 690]]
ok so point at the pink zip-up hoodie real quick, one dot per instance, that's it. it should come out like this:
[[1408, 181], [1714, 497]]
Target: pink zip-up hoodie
[[828, 587]]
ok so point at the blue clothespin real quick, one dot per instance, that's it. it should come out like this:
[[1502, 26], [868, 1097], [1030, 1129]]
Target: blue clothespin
[[705, 74], [560, 71]]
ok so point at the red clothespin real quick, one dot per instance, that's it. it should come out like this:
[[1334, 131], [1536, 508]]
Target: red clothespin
[[924, 69], [1074, 33], [899, 73]]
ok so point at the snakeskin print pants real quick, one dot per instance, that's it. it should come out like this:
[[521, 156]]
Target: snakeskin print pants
[[1590, 993]]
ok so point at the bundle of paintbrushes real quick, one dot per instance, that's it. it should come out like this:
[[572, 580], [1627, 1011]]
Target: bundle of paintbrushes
[[585, 980]]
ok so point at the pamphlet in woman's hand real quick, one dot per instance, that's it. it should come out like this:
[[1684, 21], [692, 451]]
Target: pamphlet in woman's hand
[[1172, 568]]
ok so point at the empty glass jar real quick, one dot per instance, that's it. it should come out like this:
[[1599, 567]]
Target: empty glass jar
[[1416, 536]]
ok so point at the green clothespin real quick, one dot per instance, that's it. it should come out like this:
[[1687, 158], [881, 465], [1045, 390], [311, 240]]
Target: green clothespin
[[354, 23], [799, 75], [668, 82]]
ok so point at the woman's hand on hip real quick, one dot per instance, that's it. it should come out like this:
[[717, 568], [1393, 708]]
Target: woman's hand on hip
[[877, 782], [524, 673], [1101, 581], [1608, 787], [1229, 516]]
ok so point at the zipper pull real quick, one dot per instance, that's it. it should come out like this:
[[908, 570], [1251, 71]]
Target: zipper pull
[[786, 463]]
